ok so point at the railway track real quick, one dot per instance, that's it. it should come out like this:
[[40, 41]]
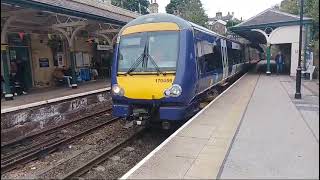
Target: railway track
[[32, 147], [76, 173], [83, 164]]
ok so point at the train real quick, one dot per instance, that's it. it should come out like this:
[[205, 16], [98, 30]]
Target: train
[[163, 67]]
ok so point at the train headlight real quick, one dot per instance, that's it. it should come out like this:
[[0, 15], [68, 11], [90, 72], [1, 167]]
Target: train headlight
[[117, 90], [174, 91]]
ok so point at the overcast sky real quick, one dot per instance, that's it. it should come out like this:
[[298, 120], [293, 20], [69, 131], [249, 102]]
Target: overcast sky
[[241, 8]]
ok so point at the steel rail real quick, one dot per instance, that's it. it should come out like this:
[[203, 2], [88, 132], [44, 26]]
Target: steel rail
[[102, 157], [50, 148]]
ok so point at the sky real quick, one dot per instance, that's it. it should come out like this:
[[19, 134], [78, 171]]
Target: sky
[[241, 8]]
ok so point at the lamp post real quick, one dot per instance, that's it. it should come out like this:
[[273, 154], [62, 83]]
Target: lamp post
[[298, 75]]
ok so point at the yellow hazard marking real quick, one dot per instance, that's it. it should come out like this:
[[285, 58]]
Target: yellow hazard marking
[[149, 27]]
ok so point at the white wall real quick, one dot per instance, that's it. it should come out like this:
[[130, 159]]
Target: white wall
[[294, 58], [289, 34]]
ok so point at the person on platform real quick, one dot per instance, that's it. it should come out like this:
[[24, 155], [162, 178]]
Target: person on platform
[[280, 62], [61, 74]]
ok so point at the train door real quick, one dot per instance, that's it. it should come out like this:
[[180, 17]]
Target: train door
[[224, 58]]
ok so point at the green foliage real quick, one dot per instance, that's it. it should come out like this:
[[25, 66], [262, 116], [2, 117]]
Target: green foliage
[[191, 10], [290, 6], [175, 5], [132, 5], [232, 22], [311, 9]]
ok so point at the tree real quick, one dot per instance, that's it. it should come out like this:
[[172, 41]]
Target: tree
[[290, 6], [311, 9], [133, 5], [233, 22], [191, 10]]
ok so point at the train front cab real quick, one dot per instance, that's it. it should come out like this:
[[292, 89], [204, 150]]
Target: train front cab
[[162, 92]]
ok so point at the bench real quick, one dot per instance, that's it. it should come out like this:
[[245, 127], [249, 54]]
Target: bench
[[309, 70]]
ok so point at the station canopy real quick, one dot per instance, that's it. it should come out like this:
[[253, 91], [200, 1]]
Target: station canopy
[[87, 9], [63, 17], [266, 21]]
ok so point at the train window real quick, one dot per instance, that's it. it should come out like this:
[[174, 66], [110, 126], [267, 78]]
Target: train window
[[209, 56], [166, 58], [217, 58], [234, 56], [230, 57], [132, 47], [200, 57]]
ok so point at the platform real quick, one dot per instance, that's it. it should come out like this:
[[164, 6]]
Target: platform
[[255, 129], [50, 95]]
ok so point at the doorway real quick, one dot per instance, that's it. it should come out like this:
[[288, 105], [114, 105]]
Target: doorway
[[22, 54], [286, 51]]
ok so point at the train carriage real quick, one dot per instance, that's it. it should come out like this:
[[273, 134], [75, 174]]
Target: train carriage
[[164, 64]]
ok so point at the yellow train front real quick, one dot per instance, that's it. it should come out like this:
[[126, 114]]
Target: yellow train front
[[160, 74]]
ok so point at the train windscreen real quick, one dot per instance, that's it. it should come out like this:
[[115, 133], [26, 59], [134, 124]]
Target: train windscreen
[[148, 52]]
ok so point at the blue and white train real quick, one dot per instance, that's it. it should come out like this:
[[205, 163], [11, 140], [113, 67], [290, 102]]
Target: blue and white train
[[164, 64]]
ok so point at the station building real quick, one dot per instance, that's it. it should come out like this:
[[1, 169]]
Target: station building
[[43, 35], [274, 30]]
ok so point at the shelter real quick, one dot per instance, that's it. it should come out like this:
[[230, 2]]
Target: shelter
[[273, 27]]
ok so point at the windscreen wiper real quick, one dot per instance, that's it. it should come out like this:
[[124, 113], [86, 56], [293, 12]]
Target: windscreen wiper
[[154, 64], [137, 62]]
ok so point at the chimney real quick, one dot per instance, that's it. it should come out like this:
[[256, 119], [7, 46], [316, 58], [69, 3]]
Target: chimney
[[153, 7], [219, 15]]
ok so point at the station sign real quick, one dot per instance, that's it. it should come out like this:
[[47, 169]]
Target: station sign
[[102, 47]]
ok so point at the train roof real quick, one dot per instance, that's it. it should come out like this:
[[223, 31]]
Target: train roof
[[164, 17]]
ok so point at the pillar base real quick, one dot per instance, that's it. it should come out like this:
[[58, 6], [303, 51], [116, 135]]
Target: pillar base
[[74, 86], [268, 73], [8, 97], [297, 95]]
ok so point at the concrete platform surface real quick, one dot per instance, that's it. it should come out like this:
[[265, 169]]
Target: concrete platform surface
[[42, 96], [279, 135], [198, 150], [254, 130]]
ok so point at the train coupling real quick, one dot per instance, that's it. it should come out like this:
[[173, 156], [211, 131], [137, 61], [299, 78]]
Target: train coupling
[[141, 117], [141, 121], [166, 125]]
